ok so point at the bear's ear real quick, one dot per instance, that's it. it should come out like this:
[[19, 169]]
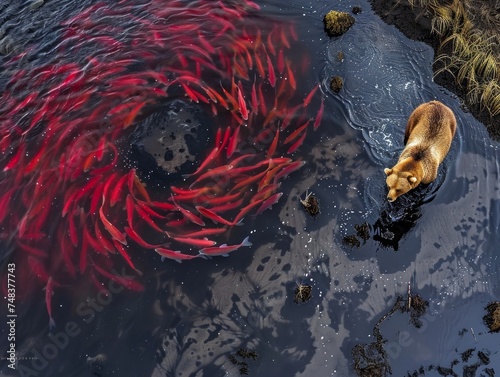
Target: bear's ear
[[412, 179], [388, 171]]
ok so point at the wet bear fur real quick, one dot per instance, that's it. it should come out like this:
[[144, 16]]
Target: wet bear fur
[[429, 132]]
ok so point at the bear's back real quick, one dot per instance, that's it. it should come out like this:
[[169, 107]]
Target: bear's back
[[432, 123]]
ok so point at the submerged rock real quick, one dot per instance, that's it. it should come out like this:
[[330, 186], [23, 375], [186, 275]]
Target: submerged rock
[[337, 23], [356, 9]]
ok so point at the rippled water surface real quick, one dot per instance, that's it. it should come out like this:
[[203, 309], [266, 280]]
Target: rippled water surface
[[192, 318]]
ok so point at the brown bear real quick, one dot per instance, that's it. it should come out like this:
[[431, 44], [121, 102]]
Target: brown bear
[[429, 132]]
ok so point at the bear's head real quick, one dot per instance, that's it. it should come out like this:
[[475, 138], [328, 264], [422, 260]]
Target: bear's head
[[399, 183]]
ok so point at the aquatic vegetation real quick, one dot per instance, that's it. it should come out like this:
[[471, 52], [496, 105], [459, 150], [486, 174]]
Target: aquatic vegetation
[[239, 357], [351, 240], [363, 231], [311, 204], [246, 354], [469, 47], [72, 201], [470, 362], [417, 307], [373, 359], [337, 23], [492, 319], [303, 293], [370, 360], [362, 234]]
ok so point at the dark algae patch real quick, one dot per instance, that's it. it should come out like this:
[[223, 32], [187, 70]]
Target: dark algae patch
[[471, 363], [492, 319], [245, 354], [372, 360], [362, 234], [239, 360], [362, 231], [417, 307], [356, 10], [311, 204], [351, 241], [466, 355]]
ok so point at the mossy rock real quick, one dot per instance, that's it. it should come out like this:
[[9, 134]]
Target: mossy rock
[[337, 23], [492, 319], [336, 84]]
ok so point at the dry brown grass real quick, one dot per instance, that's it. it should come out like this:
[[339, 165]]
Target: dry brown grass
[[470, 46]]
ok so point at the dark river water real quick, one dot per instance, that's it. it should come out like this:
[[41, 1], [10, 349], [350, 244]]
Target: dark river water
[[227, 316]]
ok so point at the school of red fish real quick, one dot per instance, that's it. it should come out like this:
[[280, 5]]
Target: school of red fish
[[69, 206]]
